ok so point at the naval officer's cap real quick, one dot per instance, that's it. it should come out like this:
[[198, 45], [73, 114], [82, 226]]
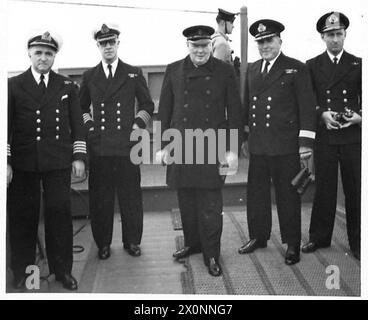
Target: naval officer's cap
[[266, 28], [332, 21], [46, 39], [225, 15], [199, 34], [106, 31]]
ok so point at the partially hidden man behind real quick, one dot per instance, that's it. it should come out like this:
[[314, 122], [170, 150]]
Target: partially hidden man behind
[[199, 92], [108, 93], [45, 142], [280, 113], [337, 80], [220, 41]]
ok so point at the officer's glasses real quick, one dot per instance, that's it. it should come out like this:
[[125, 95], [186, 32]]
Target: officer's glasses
[[111, 42]]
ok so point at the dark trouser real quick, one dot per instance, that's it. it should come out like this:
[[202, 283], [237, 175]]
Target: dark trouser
[[110, 175], [327, 158], [281, 169], [201, 216], [24, 211]]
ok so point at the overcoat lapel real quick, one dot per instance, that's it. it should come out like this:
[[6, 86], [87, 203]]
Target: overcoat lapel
[[30, 86], [120, 77]]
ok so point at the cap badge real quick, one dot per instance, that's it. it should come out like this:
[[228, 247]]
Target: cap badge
[[104, 29], [333, 18], [261, 27], [46, 36]]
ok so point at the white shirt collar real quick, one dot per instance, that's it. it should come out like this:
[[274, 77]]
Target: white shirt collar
[[338, 56], [37, 76], [271, 62], [114, 65]]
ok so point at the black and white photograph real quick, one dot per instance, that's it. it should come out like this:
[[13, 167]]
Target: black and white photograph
[[183, 150]]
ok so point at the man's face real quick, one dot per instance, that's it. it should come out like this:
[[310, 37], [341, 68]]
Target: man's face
[[269, 48], [334, 40], [229, 27], [42, 58], [199, 53], [109, 49]]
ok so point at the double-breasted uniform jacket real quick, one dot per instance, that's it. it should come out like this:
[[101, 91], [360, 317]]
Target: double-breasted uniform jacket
[[203, 98], [221, 48], [110, 108], [45, 132], [280, 109], [336, 88]]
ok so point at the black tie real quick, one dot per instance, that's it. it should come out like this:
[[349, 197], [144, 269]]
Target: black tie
[[109, 66], [42, 84], [335, 61], [265, 70]]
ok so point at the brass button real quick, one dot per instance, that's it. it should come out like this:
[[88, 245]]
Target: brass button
[[118, 104], [118, 119], [267, 124], [207, 106], [268, 107], [253, 115], [185, 91], [185, 119], [345, 100], [268, 116], [57, 128], [208, 78], [253, 107], [102, 112], [344, 92], [103, 120], [57, 137], [38, 120], [328, 100], [38, 129], [254, 98], [118, 111], [102, 104], [38, 111], [57, 111], [328, 109], [102, 128], [38, 138], [118, 127], [328, 91], [207, 120], [186, 105], [208, 92], [254, 124], [57, 119], [269, 98]]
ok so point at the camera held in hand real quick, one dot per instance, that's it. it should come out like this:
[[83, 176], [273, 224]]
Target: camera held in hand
[[348, 113], [302, 180]]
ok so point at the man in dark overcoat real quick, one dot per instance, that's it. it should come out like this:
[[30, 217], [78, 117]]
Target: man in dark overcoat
[[337, 81], [45, 142], [108, 94], [280, 112], [200, 92]]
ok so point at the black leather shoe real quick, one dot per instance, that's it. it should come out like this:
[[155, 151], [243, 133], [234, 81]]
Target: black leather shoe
[[292, 255], [133, 249], [312, 246], [214, 268], [252, 245], [19, 282], [104, 253], [68, 281], [185, 252]]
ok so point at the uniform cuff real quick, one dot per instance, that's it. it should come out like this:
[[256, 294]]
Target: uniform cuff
[[142, 118], [306, 142]]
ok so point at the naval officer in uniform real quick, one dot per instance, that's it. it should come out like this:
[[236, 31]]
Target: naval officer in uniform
[[220, 41], [280, 112], [108, 94], [199, 92], [337, 81], [45, 142]]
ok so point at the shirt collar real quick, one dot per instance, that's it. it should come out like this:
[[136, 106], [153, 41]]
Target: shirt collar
[[271, 62], [332, 56], [114, 65], [37, 76]]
